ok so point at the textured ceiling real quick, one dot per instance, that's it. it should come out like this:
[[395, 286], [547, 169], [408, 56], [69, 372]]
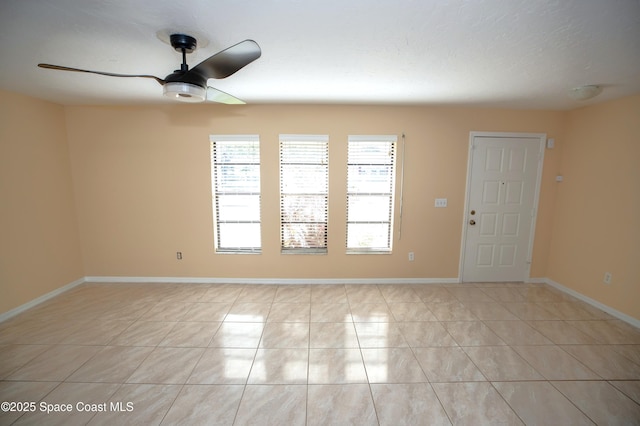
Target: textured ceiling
[[502, 53]]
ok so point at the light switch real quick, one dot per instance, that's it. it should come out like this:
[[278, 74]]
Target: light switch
[[441, 202]]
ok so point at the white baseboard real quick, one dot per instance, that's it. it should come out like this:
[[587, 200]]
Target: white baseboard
[[613, 312], [292, 281], [38, 300], [297, 281]]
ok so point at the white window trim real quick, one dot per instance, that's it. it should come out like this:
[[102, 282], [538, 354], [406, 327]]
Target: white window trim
[[287, 137], [230, 138], [376, 138], [373, 138], [234, 138], [303, 138]]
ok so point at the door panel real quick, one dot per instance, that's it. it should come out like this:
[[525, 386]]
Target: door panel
[[508, 255], [514, 192], [501, 197], [488, 224], [491, 192], [493, 161], [485, 255], [511, 225]]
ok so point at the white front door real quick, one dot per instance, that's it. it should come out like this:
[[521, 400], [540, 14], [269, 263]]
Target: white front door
[[503, 184]]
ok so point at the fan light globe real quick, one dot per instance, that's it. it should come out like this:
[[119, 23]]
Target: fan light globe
[[582, 93], [185, 92]]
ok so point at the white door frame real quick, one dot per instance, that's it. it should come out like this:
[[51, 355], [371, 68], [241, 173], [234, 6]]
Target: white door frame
[[472, 135]]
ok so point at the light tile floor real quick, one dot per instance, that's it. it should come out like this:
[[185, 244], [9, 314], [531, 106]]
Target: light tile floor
[[320, 354]]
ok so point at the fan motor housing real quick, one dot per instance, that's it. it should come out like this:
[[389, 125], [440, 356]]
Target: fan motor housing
[[190, 77]]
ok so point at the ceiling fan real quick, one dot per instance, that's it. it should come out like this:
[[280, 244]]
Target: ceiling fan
[[190, 85]]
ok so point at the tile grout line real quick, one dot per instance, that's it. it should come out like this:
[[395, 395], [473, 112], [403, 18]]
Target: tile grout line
[[364, 365], [570, 400], [306, 400], [358, 339], [255, 354]]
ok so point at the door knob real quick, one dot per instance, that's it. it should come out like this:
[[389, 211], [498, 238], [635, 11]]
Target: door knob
[[472, 222]]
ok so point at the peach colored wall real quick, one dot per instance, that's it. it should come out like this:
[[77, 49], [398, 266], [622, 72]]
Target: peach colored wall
[[143, 187], [597, 218], [39, 245]]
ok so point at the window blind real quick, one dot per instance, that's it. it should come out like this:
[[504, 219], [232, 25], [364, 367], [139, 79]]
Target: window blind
[[370, 193], [235, 177], [304, 187]]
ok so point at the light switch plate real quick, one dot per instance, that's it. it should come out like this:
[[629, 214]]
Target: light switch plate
[[441, 202]]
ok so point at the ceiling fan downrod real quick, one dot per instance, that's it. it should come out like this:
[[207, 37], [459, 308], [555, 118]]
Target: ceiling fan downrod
[[184, 44]]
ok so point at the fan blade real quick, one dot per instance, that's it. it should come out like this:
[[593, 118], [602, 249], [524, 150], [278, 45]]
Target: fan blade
[[228, 61], [110, 74], [215, 95]]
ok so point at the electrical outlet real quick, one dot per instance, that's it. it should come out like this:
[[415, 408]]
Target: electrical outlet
[[441, 202], [607, 278], [411, 256], [179, 255]]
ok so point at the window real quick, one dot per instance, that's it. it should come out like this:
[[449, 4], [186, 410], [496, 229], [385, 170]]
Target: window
[[235, 180], [304, 188], [370, 188]]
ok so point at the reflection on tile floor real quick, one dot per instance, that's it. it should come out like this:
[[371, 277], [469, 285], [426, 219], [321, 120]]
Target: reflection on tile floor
[[319, 354]]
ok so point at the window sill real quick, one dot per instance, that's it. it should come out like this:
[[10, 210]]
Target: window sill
[[303, 251], [238, 252], [376, 252]]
